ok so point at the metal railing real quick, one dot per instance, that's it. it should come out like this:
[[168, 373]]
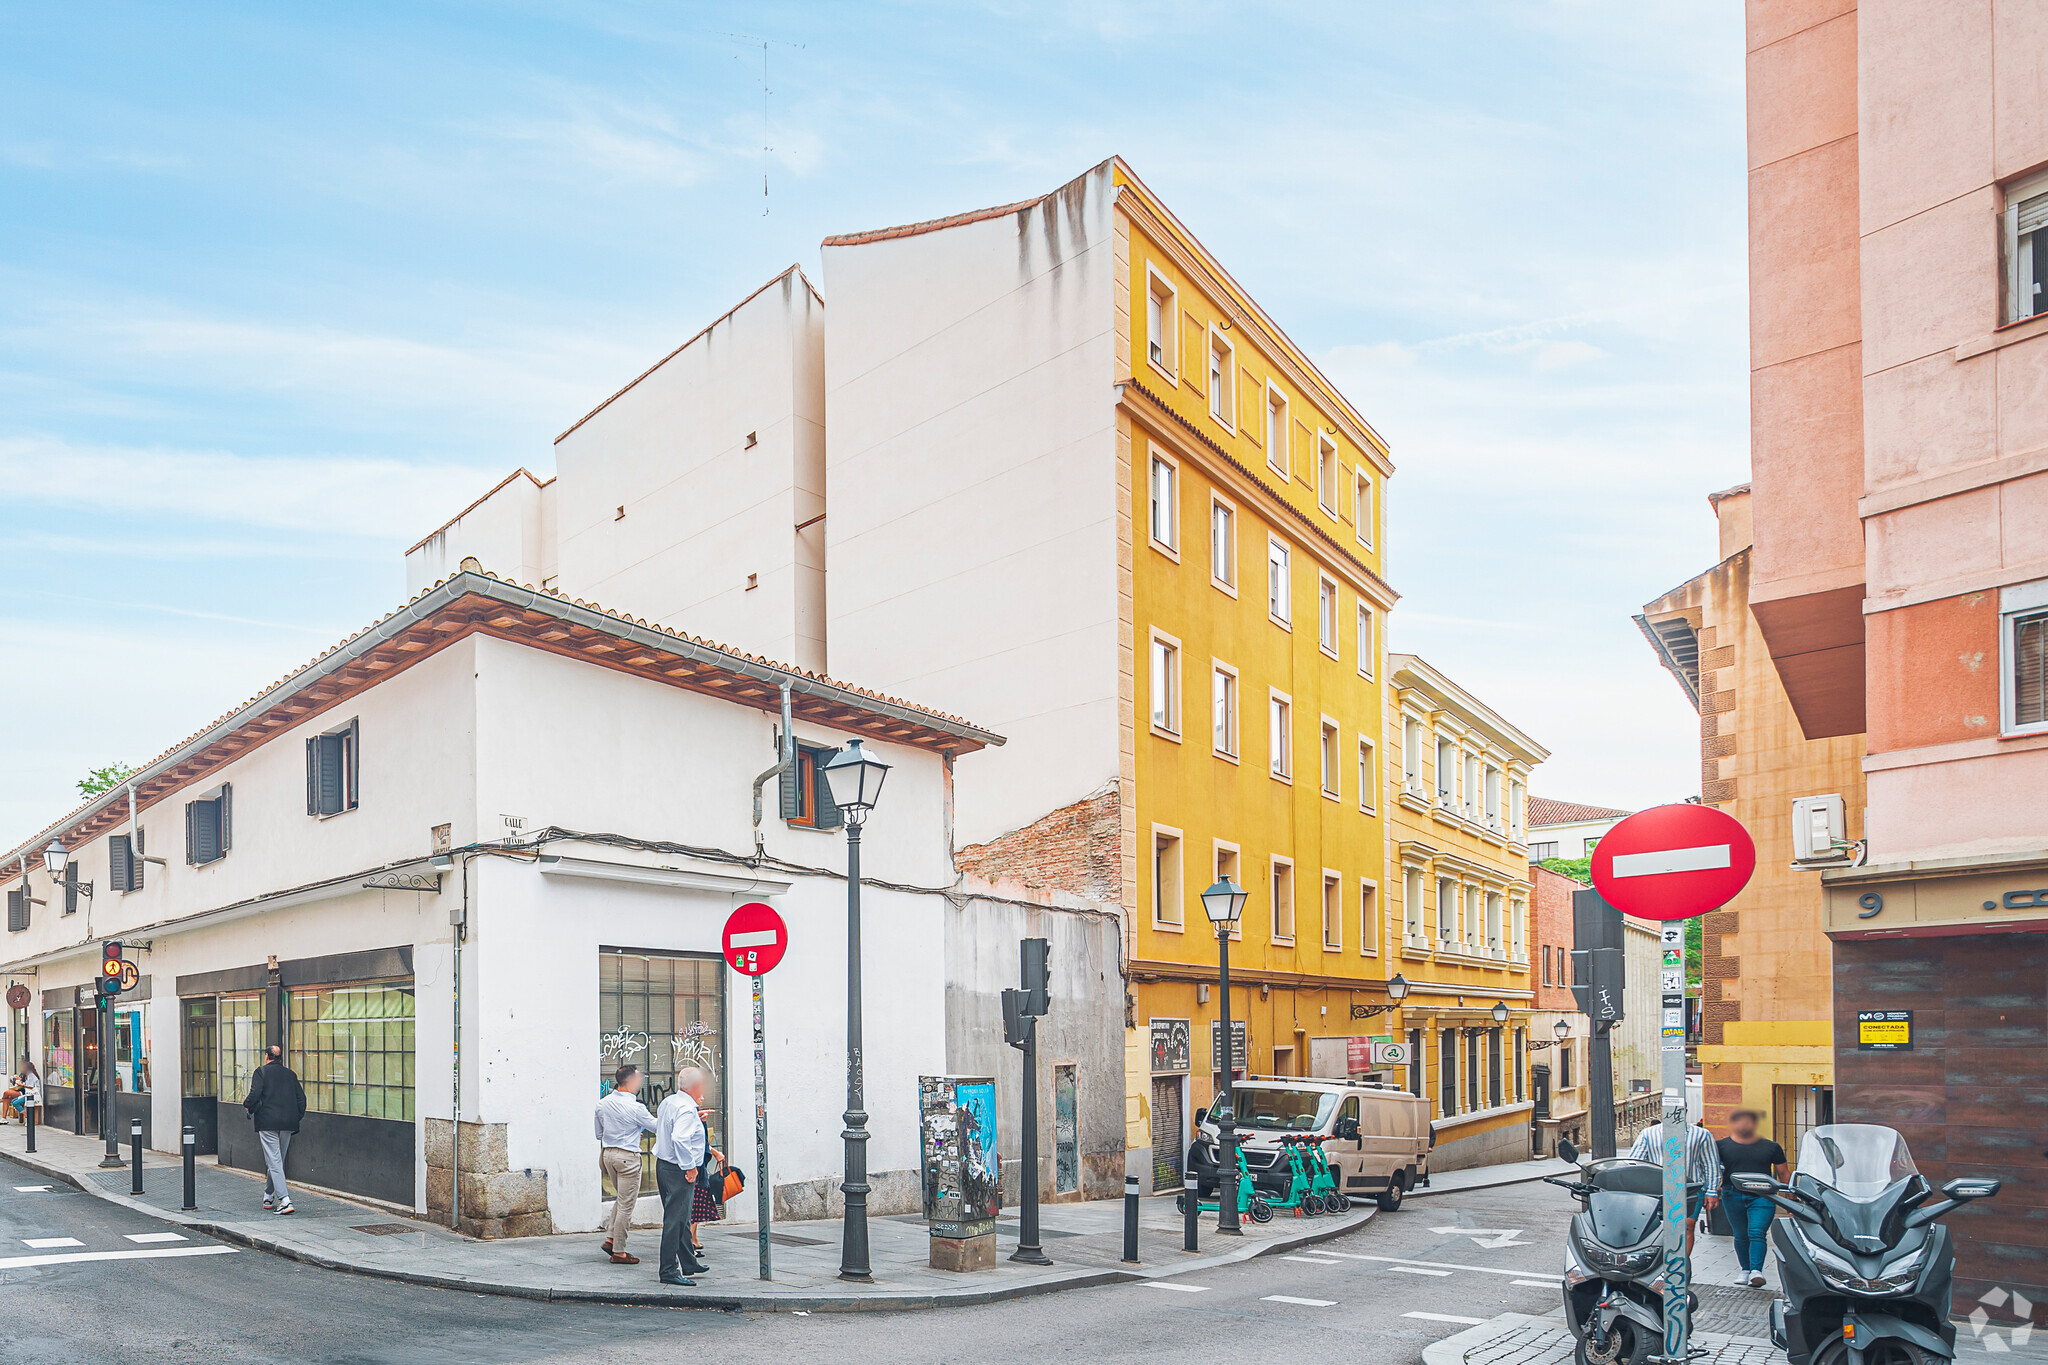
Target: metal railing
[[1636, 1113]]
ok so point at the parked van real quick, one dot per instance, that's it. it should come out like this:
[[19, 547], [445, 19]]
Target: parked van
[[1379, 1136]]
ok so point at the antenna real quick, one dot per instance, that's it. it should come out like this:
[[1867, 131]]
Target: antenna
[[766, 148]]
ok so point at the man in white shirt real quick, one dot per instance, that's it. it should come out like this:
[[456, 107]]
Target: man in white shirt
[[1702, 1169], [621, 1119], [678, 1154]]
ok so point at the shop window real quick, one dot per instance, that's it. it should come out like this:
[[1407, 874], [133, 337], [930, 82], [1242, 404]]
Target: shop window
[[199, 1046], [60, 1039], [131, 1050], [243, 1037], [663, 1012], [353, 1048]]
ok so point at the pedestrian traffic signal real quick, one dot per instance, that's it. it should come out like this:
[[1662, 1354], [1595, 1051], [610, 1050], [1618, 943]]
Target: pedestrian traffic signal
[[110, 963]]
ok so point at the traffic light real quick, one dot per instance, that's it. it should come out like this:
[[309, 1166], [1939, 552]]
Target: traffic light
[[115, 974], [1017, 1022], [1037, 956]]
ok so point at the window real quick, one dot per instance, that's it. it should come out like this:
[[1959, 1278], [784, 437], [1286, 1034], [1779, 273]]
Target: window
[[243, 1036], [1446, 912], [1411, 907], [1367, 646], [1415, 1061], [1472, 1069], [199, 1029], [1161, 324], [1279, 430], [209, 826], [332, 764], [1490, 793], [1591, 844], [1328, 751], [1471, 802], [1494, 1097], [806, 795], [1546, 965], [1475, 918], [2026, 248], [1362, 508], [662, 1012], [1517, 808], [1222, 380], [1447, 1071], [1279, 590], [1165, 684], [1326, 474], [1538, 852], [1368, 916], [1521, 1064], [1279, 736], [1333, 910], [1368, 775], [1223, 544], [1518, 916], [1564, 1066], [1223, 708], [2023, 640], [1166, 877], [353, 1048], [1411, 755], [1326, 616], [1226, 870], [1446, 772], [1493, 923], [1282, 885], [125, 861], [1165, 502]]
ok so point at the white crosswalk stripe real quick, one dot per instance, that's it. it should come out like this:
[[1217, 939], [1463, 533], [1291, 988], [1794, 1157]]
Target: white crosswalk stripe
[[1312, 1260], [30, 1189], [157, 1237], [1305, 1303], [1418, 1270], [1179, 1288], [1445, 1317], [45, 1243], [138, 1254], [1537, 1284]]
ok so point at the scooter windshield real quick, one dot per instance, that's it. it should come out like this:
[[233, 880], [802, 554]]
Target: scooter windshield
[[1621, 1219], [1861, 1160]]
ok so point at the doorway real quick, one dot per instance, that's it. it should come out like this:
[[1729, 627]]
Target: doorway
[[1066, 1131], [1169, 1131], [1539, 1095]]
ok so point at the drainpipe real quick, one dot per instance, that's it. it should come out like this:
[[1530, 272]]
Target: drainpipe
[[460, 919], [785, 763]]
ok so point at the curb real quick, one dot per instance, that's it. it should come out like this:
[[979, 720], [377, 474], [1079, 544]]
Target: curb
[[750, 1303], [1452, 1349], [1516, 1179]]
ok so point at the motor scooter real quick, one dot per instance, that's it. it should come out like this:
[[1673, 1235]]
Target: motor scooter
[[1866, 1269], [1614, 1260]]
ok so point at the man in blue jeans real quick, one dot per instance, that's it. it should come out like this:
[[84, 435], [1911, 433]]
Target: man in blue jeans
[[1749, 1218]]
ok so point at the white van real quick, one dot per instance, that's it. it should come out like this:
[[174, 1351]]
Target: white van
[[1379, 1135]]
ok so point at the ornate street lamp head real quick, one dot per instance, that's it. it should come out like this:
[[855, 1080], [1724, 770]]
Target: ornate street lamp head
[[1224, 903], [1500, 1011], [855, 779], [1562, 1028], [1397, 988], [54, 858]]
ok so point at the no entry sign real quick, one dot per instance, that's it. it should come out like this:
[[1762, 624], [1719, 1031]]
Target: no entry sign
[[755, 939], [1673, 862]]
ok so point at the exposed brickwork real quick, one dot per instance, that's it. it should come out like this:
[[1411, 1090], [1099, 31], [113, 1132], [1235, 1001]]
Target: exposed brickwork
[[1076, 850], [1551, 905], [1716, 746]]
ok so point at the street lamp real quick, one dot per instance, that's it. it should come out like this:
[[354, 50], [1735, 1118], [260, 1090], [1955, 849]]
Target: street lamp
[[1562, 1028], [1397, 988], [1224, 904], [57, 862], [1500, 1011], [855, 780]]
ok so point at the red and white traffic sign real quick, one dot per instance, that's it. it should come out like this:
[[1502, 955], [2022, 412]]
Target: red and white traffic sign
[[1673, 862], [755, 938]]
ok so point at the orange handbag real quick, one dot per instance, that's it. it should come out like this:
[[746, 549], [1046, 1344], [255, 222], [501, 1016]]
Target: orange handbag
[[735, 1182]]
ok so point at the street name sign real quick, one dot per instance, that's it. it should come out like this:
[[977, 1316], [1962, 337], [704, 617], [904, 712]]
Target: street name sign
[[1673, 862]]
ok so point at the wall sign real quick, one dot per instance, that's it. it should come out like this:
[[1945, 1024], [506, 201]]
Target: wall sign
[[1240, 1047], [1884, 1030], [1170, 1047]]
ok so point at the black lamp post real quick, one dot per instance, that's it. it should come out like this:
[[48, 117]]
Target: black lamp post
[[855, 780], [1224, 904]]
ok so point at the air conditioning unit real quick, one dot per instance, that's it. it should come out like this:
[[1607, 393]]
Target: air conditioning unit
[[1820, 831]]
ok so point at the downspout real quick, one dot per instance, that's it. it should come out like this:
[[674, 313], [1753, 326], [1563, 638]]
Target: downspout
[[460, 918], [785, 763]]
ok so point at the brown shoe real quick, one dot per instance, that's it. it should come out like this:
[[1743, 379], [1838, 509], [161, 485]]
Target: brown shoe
[[621, 1258], [607, 1246]]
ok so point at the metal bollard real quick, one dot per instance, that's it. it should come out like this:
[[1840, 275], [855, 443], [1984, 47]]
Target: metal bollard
[[1130, 1220], [191, 1171], [1191, 1198], [28, 1111], [135, 1156]]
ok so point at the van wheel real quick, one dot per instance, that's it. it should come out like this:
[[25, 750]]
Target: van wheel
[[1390, 1197]]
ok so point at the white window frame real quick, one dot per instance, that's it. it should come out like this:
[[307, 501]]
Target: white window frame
[[1414, 910], [1223, 677], [1219, 503], [1327, 601], [1280, 748], [1445, 931], [2019, 602], [1274, 866], [1167, 367], [1368, 775], [1368, 641], [1369, 916], [1222, 379], [1157, 640], [1518, 948], [1329, 740], [2016, 263], [1159, 459], [1218, 849], [1328, 467], [1159, 921], [1332, 906], [1280, 433], [1364, 505], [1286, 584]]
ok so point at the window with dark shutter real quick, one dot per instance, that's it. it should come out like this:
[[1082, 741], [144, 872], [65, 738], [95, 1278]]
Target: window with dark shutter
[[124, 864], [71, 888], [806, 795], [17, 910], [206, 830], [2030, 670], [331, 766]]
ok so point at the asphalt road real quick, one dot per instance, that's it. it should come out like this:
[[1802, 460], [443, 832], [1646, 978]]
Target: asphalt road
[[1375, 1297]]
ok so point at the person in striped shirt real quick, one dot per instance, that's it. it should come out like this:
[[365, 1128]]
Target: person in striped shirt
[[1702, 1169]]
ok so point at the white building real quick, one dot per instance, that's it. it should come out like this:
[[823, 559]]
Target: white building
[[1567, 829], [562, 801]]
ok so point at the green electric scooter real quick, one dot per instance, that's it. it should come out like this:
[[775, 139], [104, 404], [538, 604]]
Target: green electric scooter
[[1323, 1176], [1249, 1201]]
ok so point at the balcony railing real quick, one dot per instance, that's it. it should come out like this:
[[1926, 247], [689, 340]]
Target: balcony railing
[[1635, 1113]]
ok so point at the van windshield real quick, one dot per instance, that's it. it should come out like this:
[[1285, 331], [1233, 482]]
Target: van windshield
[[1301, 1111]]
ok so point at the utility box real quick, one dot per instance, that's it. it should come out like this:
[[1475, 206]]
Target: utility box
[[963, 1173], [1820, 830]]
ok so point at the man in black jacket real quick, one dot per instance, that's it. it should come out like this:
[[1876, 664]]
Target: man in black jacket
[[276, 1103]]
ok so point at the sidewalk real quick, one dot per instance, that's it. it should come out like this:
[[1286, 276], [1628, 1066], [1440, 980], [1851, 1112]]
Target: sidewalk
[[1518, 1339], [1486, 1177]]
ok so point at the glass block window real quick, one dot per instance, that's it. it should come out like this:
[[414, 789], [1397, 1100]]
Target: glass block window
[[353, 1048]]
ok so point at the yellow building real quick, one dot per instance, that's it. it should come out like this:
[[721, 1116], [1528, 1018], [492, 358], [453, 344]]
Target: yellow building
[[1459, 930]]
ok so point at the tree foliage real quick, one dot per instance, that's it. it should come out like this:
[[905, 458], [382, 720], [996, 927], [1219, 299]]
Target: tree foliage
[[105, 779]]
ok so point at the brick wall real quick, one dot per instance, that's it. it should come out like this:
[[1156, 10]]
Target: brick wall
[[1075, 851], [1550, 913]]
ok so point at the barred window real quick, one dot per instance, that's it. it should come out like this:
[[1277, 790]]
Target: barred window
[[242, 1039], [353, 1048]]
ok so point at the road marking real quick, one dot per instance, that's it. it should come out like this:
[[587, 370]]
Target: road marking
[[1490, 1238], [157, 1237], [1305, 1303], [1439, 1265], [1418, 1270], [44, 1243], [1538, 1284], [1446, 1317], [74, 1257], [1312, 1260], [30, 1189], [1662, 860], [1178, 1288]]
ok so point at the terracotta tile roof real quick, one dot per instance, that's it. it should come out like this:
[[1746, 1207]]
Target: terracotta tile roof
[[472, 602], [1544, 811], [931, 224], [1714, 499]]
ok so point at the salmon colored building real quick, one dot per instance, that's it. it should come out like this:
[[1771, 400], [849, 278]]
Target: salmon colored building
[[1898, 177]]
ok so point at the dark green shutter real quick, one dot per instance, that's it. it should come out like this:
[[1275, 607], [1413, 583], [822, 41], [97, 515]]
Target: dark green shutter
[[791, 784], [120, 863], [313, 776], [828, 812], [355, 763], [332, 757], [227, 817], [191, 841], [71, 888], [17, 909]]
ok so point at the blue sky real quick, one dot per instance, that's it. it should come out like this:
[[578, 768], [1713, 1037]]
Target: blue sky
[[283, 287]]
